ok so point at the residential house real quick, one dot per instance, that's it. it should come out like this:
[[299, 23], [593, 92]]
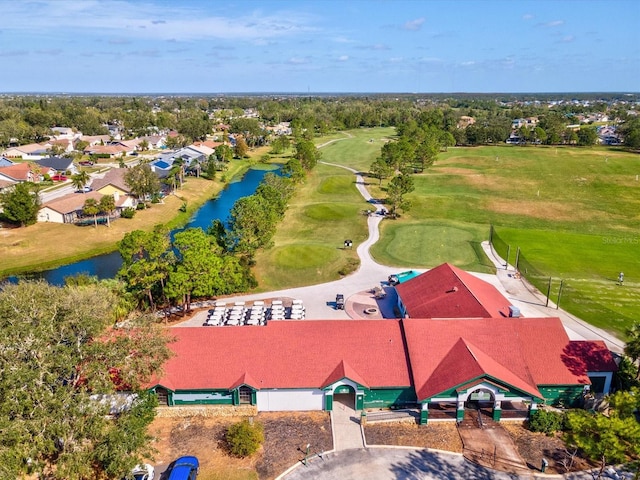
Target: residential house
[[68, 209], [94, 140], [112, 183], [61, 165], [103, 150], [155, 142], [5, 162], [25, 172], [31, 151]]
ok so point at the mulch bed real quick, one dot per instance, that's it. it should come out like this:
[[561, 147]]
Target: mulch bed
[[286, 437], [441, 436], [533, 447]]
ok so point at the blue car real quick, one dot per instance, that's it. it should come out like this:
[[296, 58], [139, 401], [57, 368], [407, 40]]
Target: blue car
[[185, 468]]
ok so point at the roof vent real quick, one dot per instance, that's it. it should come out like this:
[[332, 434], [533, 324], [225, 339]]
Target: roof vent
[[452, 290]]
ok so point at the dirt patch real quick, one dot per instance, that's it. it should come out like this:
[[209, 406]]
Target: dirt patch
[[441, 436], [286, 435], [533, 447]]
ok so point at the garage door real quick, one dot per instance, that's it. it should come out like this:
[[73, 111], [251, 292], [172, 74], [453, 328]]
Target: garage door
[[289, 400]]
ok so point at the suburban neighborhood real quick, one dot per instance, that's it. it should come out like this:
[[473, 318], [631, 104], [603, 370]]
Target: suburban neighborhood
[[285, 240]]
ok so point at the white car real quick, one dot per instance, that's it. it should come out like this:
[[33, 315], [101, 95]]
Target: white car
[[142, 472]]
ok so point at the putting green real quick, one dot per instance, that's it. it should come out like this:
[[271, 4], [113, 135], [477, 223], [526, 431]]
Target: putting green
[[426, 244]]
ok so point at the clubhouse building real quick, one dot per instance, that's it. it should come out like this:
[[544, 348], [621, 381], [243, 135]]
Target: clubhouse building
[[438, 364]]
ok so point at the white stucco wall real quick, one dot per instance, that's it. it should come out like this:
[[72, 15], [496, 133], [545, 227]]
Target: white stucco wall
[[48, 215], [289, 400]]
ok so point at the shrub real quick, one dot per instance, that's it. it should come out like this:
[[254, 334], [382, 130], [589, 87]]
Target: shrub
[[128, 212], [141, 206], [244, 438], [546, 421]]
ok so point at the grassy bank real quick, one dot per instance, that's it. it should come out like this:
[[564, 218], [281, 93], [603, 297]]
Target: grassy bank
[[325, 211], [47, 245]]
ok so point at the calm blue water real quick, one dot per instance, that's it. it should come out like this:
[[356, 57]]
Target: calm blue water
[[107, 265]]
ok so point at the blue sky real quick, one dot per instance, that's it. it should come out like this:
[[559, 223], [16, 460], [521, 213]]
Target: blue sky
[[135, 46]]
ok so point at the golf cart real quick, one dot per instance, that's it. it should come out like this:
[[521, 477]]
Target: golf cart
[[339, 302]]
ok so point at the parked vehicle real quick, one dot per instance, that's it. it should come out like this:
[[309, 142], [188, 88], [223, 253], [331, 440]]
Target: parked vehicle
[[59, 178], [86, 163], [185, 468], [142, 472], [339, 301], [84, 189]]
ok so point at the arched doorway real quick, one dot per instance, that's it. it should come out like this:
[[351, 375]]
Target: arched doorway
[[482, 400], [345, 395]]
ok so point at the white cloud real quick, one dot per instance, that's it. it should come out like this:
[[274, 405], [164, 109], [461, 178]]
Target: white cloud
[[343, 58], [528, 16], [126, 18], [554, 23], [414, 25]]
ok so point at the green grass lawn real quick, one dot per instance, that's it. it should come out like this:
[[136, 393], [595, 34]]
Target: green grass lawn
[[574, 212]]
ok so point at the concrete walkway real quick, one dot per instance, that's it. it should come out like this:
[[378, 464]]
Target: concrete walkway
[[345, 424]]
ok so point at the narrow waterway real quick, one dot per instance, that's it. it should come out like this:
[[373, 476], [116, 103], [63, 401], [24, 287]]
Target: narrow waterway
[[107, 265]]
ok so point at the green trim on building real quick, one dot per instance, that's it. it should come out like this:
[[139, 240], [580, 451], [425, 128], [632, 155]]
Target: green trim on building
[[328, 402], [387, 397], [567, 395], [497, 413], [424, 417]]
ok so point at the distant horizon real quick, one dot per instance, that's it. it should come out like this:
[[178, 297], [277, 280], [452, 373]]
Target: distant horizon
[[318, 93], [329, 46]]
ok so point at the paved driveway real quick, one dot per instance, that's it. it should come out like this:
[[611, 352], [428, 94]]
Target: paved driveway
[[392, 464]]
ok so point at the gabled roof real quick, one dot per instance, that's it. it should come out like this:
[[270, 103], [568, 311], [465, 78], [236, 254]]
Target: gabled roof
[[114, 177], [464, 363], [342, 371], [59, 164], [449, 292], [296, 354], [245, 379], [74, 202], [523, 353], [21, 172], [590, 355]]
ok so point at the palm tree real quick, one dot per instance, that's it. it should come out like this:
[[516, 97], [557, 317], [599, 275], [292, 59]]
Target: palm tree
[[92, 207], [80, 179], [108, 205]]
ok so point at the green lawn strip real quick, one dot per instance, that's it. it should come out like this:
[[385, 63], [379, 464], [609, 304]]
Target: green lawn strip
[[589, 267], [325, 211]]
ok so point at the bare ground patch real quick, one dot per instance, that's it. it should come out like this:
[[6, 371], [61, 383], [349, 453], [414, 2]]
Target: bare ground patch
[[441, 436], [286, 435], [533, 447]]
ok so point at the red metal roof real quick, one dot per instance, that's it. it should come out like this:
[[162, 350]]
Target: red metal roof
[[287, 354], [448, 292], [524, 353]]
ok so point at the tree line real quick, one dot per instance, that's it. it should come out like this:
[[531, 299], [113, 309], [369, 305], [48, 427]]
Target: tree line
[[160, 271]]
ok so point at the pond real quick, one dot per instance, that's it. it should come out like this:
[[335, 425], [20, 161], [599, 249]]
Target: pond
[[107, 265]]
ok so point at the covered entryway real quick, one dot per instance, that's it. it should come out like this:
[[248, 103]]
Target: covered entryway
[[345, 395], [481, 401]]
